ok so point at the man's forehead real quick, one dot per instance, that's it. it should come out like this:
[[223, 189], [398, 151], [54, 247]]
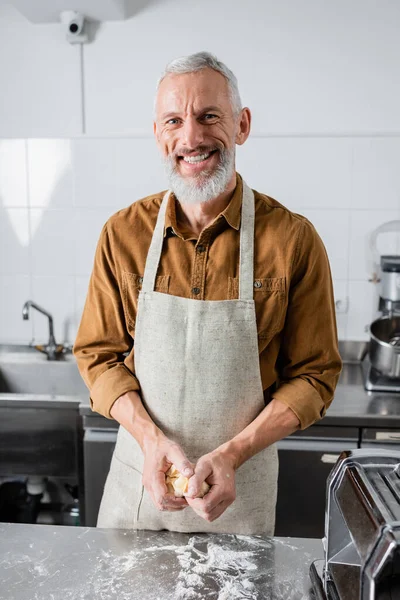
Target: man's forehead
[[205, 88]]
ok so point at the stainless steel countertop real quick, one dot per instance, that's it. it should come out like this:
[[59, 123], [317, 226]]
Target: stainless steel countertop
[[353, 405], [10, 400], [43, 562]]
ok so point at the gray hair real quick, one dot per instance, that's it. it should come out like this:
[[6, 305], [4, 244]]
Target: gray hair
[[204, 60]]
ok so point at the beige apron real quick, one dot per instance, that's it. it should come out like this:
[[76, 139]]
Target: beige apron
[[198, 366]]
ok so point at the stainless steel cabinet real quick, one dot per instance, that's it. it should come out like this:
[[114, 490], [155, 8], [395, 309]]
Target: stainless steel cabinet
[[39, 441]]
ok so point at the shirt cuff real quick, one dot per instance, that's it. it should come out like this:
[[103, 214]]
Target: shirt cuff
[[303, 399], [111, 384]]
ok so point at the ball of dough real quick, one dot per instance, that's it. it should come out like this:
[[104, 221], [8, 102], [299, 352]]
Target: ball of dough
[[178, 484]]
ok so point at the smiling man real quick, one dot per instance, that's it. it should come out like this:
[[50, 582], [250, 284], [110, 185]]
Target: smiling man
[[209, 328]]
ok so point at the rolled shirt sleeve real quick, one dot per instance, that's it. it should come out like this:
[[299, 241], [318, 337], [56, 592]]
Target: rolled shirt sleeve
[[102, 338], [309, 363]]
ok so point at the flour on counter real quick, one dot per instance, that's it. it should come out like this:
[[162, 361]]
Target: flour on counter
[[40, 570], [224, 566], [202, 570], [239, 568]]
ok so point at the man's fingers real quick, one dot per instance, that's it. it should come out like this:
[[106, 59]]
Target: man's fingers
[[213, 497], [218, 511], [169, 502], [209, 502], [198, 505], [183, 464], [158, 459], [159, 486], [201, 472], [170, 508], [162, 499]]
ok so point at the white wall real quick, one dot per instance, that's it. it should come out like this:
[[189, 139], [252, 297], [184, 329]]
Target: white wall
[[323, 84]]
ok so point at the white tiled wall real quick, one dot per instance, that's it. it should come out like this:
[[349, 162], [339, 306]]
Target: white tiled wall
[[55, 196], [346, 186]]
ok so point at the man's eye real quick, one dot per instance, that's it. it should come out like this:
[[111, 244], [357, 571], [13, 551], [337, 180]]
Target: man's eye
[[172, 121], [209, 116]]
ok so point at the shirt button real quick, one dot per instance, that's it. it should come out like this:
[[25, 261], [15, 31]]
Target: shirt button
[[196, 291], [200, 248], [257, 284]]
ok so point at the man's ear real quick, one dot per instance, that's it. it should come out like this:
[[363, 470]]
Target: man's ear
[[244, 126], [155, 131]]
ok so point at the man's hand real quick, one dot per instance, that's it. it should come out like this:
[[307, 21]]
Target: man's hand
[[159, 455], [218, 469]]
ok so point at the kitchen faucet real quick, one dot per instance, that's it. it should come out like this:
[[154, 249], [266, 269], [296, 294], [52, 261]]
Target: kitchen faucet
[[52, 349]]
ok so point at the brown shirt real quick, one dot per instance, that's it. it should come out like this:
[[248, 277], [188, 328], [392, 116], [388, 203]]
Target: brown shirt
[[295, 312]]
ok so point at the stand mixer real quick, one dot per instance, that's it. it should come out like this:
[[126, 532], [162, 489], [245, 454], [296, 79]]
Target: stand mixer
[[381, 365]]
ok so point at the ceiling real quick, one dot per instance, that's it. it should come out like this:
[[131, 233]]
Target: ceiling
[[48, 11]]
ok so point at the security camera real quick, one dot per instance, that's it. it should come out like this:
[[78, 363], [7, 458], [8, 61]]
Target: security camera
[[74, 25]]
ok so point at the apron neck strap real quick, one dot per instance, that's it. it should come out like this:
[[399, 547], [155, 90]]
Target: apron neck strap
[[246, 259], [154, 253], [246, 253]]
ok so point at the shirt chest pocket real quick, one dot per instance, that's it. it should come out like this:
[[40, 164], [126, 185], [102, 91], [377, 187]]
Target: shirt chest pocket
[[131, 286], [270, 298]]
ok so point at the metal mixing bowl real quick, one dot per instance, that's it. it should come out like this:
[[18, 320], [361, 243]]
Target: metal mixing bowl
[[384, 348]]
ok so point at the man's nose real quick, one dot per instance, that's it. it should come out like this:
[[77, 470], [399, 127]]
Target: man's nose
[[193, 135]]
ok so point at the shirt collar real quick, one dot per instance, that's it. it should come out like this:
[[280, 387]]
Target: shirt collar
[[232, 212]]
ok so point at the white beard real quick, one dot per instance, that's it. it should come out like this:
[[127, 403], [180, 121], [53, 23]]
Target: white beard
[[205, 186]]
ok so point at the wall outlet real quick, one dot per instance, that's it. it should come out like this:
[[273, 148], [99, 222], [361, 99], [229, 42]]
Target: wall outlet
[[342, 304]]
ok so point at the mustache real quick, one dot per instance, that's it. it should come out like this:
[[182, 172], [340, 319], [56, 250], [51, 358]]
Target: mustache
[[200, 149]]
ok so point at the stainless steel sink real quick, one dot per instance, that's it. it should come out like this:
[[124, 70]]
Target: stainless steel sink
[[24, 370], [39, 413]]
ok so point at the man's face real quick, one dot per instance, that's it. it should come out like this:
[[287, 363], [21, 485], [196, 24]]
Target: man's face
[[196, 131]]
